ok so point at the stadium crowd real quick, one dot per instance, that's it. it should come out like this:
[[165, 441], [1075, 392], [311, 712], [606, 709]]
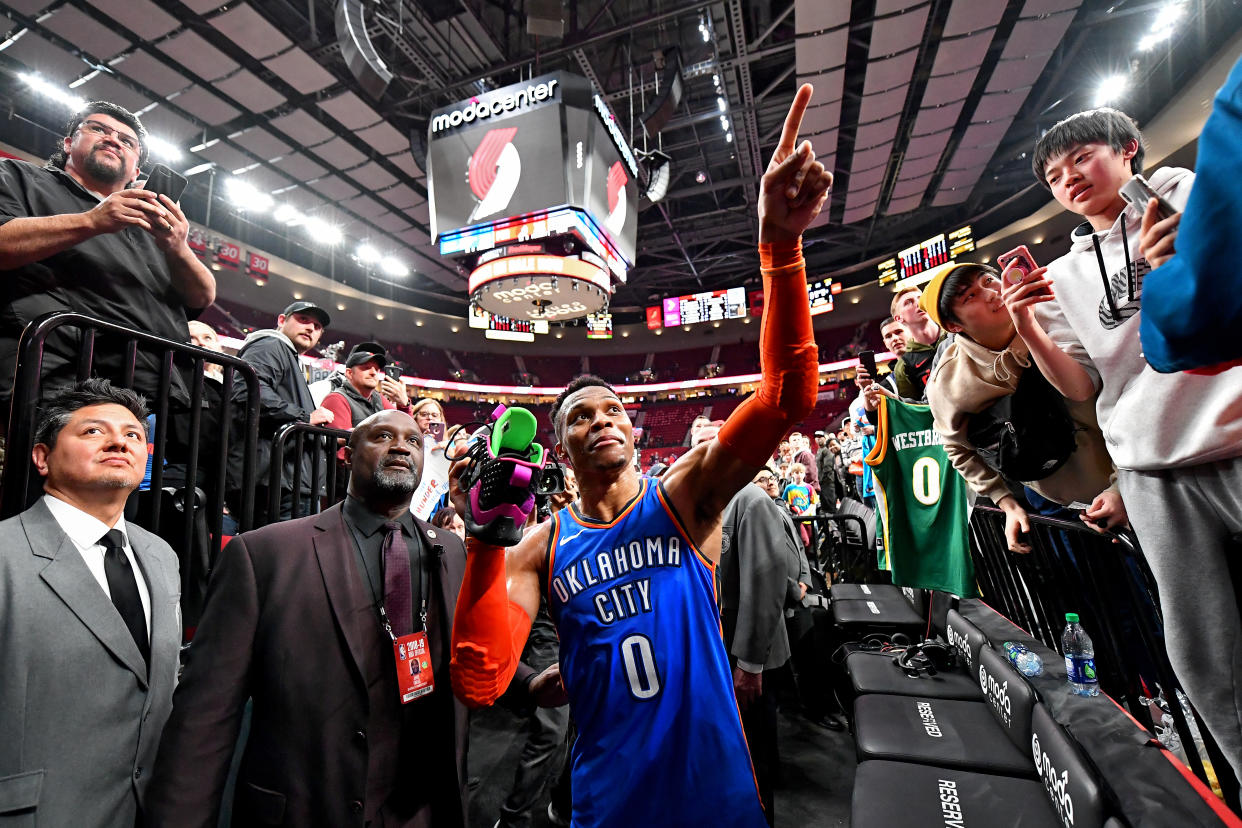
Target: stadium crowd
[[349, 637]]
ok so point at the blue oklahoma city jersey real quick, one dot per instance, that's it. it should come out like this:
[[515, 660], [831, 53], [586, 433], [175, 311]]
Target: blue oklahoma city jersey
[[659, 736]]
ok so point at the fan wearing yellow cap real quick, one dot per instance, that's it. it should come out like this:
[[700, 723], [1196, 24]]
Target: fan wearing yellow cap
[[983, 364]]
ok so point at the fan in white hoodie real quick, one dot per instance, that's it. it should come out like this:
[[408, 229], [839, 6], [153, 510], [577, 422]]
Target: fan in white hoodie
[[1175, 438]]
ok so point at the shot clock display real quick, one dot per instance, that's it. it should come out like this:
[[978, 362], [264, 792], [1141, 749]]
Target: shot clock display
[[495, 326], [922, 257], [820, 295], [599, 326], [708, 306]]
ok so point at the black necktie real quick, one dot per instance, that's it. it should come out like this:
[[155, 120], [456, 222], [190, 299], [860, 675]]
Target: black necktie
[[397, 588], [124, 589]]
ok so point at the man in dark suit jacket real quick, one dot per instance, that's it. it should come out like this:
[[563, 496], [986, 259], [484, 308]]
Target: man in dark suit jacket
[[762, 571], [89, 625], [293, 620]]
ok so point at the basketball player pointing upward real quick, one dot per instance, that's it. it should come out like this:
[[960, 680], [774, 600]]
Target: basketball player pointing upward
[[629, 568]]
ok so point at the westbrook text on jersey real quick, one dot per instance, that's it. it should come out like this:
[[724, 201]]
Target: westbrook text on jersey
[[917, 439]]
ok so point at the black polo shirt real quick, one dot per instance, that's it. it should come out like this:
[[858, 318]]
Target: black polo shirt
[[119, 277]]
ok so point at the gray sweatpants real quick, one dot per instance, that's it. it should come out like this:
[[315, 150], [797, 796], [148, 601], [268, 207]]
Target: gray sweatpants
[[1184, 519]]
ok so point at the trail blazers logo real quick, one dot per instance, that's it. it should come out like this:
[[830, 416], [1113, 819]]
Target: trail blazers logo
[[617, 179], [493, 172]]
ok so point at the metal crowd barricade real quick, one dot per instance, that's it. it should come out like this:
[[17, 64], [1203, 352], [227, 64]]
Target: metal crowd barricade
[[324, 443], [21, 485], [1074, 569]]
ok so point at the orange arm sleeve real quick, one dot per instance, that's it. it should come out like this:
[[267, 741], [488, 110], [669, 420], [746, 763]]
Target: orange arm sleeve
[[489, 630], [788, 358]]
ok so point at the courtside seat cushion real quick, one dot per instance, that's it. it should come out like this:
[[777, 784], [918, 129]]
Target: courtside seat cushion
[[950, 733], [899, 795], [855, 592], [1070, 783], [877, 613], [872, 671], [1008, 694], [964, 637]]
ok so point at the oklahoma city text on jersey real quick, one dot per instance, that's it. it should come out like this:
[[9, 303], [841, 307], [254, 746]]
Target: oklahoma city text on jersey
[[618, 600]]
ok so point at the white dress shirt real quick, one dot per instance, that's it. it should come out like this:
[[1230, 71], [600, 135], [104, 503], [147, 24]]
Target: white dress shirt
[[85, 531]]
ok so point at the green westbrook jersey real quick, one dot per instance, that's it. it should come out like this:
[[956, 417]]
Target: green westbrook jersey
[[922, 502]]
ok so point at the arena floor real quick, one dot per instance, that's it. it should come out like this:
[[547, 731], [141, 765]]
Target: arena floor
[[817, 771]]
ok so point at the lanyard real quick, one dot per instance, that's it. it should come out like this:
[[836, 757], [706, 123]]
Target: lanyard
[[377, 596]]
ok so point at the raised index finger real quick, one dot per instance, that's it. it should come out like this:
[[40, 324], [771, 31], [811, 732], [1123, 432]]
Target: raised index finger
[[793, 121]]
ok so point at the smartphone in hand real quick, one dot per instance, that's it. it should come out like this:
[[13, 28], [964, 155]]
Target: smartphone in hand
[[1138, 192], [163, 181], [436, 431], [1022, 262], [867, 360]]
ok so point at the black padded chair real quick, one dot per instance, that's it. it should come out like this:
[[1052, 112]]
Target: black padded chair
[[864, 592], [897, 794], [951, 733], [1071, 784], [967, 639], [885, 613], [872, 671]]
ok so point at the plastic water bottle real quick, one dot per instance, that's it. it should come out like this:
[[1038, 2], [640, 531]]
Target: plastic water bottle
[[1027, 662], [1079, 658]]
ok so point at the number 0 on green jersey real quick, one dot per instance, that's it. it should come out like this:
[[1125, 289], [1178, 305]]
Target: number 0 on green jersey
[[923, 502]]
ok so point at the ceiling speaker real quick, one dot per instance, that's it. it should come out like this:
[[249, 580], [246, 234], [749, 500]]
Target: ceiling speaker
[[545, 18], [665, 103], [418, 142], [360, 54]]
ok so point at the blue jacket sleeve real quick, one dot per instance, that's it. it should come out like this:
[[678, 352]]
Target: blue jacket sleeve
[[1192, 307]]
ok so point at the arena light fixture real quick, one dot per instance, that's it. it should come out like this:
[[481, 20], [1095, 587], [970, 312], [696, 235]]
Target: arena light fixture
[[13, 38], [367, 254], [1163, 26], [322, 231], [1110, 89], [87, 78], [394, 267], [288, 214], [246, 196], [50, 90], [166, 150]]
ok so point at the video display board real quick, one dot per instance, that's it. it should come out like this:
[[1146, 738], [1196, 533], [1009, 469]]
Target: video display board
[[919, 258], [599, 326], [532, 147], [709, 306], [655, 318], [505, 327], [820, 294]]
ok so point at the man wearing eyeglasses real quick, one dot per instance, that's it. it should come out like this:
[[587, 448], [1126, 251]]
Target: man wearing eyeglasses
[[74, 238]]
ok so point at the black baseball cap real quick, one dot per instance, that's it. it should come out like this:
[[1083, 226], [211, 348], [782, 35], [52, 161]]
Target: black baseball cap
[[820, 434], [310, 309], [365, 352]]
